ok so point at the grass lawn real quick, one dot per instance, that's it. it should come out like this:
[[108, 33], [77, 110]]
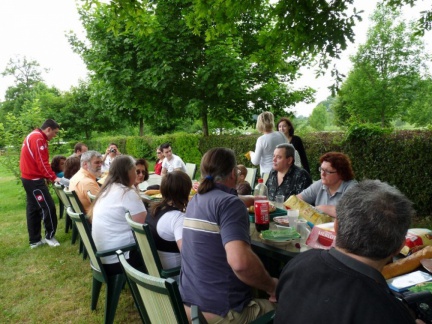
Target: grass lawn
[[45, 285]]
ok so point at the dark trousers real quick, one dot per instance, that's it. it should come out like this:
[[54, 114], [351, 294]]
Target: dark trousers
[[40, 207]]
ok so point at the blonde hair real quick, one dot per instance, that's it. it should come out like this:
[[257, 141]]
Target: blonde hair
[[265, 122]]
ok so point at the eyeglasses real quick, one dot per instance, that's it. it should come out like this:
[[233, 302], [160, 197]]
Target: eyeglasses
[[326, 171], [139, 172]]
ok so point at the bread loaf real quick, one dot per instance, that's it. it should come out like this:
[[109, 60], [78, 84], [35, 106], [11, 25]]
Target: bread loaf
[[307, 211], [151, 192], [407, 264]]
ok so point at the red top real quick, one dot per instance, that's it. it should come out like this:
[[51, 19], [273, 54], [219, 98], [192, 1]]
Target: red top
[[158, 167], [34, 160]]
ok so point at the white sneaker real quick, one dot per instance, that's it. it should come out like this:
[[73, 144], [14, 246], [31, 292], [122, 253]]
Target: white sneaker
[[37, 244], [52, 242]]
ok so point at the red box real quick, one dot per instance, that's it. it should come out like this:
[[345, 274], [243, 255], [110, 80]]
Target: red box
[[322, 236]]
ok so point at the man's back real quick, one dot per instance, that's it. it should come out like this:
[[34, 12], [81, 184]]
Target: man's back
[[207, 280], [321, 286]]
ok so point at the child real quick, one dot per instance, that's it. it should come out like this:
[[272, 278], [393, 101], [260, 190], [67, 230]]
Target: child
[[243, 187]]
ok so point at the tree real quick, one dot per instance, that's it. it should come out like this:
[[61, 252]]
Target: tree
[[318, 118], [152, 63], [385, 74], [424, 22]]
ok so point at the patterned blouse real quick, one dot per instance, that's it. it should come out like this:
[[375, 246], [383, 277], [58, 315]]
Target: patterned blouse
[[294, 182]]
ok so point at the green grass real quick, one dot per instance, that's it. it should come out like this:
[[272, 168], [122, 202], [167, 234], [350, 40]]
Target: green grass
[[45, 285]]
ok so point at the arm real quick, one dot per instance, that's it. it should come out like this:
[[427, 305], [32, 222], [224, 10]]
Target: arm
[[328, 209], [164, 171], [248, 200], [248, 267], [140, 217], [256, 156]]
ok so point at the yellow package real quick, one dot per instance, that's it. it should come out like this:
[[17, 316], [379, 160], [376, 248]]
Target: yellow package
[[307, 211]]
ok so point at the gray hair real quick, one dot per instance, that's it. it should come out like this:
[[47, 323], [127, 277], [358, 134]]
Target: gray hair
[[87, 156], [289, 149], [373, 219]]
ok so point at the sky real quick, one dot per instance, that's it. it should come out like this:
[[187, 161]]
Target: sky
[[36, 30]]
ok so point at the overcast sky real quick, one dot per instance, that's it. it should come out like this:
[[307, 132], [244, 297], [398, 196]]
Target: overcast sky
[[36, 29]]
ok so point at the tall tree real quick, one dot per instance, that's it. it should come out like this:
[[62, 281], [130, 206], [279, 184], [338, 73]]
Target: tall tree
[[386, 70], [319, 117], [152, 63]]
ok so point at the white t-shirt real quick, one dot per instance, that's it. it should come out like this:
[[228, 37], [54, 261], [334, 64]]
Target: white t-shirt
[[264, 150], [170, 228], [106, 164], [175, 163], [109, 226]]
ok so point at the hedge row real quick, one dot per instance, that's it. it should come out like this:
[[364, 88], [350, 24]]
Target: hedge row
[[401, 158]]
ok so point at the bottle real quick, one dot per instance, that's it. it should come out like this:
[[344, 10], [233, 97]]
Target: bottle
[[261, 207]]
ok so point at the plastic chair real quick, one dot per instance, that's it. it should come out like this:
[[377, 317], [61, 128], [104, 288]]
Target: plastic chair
[[191, 170], [75, 203], [149, 253], [64, 204], [91, 196], [158, 299], [115, 283], [251, 176]]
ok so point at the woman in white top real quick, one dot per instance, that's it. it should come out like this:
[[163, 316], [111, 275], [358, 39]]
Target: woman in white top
[[109, 227], [166, 219], [266, 143]]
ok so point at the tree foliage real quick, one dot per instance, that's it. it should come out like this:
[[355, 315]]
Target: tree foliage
[[319, 117], [386, 71]]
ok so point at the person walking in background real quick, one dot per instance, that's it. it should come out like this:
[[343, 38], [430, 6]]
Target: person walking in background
[[57, 165], [285, 126], [35, 171], [337, 176], [110, 154], [266, 143], [344, 284], [171, 161], [159, 160]]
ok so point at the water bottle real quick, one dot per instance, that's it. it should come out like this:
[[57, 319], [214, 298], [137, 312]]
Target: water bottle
[[261, 206]]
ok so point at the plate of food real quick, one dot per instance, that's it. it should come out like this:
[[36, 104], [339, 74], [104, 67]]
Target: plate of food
[[283, 235], [281, 220]]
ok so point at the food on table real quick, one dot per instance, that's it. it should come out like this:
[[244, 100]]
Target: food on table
[[308, 212], [272, 207], [416, 239], [407, 264], [152, 192], [282, 220]]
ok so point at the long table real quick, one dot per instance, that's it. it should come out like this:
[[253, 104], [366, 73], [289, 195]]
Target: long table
[[274, 255]]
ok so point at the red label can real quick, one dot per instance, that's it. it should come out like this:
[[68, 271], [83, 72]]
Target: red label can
[[262, 215]]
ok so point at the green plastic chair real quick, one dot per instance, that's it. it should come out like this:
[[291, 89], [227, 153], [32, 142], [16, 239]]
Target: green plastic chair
[[147, 246], [64, 204], [158, 299], [114, 283]]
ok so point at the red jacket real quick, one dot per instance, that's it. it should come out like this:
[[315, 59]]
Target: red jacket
[[34, 160]]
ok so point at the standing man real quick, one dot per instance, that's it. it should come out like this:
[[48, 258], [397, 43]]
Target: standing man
[[109, 156], [86, 178], [79, 149], [345, 284], [218, 266], [286, 178], [35, 171], [171, 161]]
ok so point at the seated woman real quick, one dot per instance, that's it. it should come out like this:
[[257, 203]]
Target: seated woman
[[166, 220], [142, 174], [57, 165], [109, 226], [337, 177], [71, 166], [159, 160]]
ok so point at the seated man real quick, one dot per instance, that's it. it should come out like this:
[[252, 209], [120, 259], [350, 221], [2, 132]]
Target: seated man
[[243, 187], [171, 161], [286, 178], [218, 266], [345, 284], [85, 179]]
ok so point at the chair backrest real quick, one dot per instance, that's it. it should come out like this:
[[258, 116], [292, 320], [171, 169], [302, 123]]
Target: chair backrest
[[191, 170], [251, 176], [147, 246], [265, 176], [157, 298], [74, 201], [91, 196], [58, 188], [85, 234]]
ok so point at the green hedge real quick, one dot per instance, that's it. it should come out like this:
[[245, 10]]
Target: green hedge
[[401, 158]]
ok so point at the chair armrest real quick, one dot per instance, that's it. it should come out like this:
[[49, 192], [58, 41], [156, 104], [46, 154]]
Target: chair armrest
[[171, 272], [196, 316], [267, 318], [124, 248]]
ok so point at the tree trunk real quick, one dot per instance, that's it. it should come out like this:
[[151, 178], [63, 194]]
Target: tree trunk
[[204, 122], [141, 126]]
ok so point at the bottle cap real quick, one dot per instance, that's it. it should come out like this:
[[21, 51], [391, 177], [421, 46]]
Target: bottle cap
[[260, 180]]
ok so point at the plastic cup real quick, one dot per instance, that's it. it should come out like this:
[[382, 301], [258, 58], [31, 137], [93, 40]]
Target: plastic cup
[[292, 215], [279, 200]]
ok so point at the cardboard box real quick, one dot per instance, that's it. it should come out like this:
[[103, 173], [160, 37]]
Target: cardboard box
[[322, 236]]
